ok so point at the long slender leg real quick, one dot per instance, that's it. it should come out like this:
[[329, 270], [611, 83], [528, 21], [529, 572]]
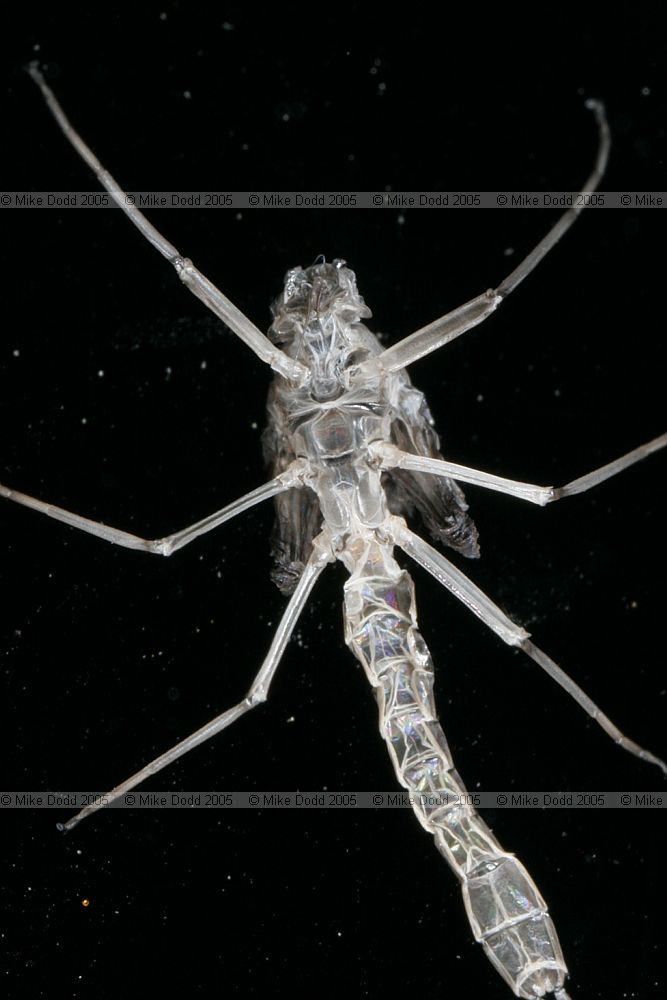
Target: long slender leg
[[392, 457], [441, 331], [171, 543], [511, 633], [257, 693], [198, 283]]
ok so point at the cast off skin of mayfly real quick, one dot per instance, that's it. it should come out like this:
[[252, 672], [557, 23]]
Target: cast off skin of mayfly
[[352, 452]]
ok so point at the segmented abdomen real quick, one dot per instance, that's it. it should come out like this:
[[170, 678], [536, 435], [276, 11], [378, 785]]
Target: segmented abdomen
[[507, 913]]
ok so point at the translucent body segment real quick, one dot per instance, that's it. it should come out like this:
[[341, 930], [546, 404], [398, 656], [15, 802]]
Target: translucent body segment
[[498, 893], [465, 840], [528, 957], [507, 914]]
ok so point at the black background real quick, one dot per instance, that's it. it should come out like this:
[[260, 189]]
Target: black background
[[110, 656]]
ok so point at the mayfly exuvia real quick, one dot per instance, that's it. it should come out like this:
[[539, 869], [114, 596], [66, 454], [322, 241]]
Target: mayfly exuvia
[[352, 451]]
